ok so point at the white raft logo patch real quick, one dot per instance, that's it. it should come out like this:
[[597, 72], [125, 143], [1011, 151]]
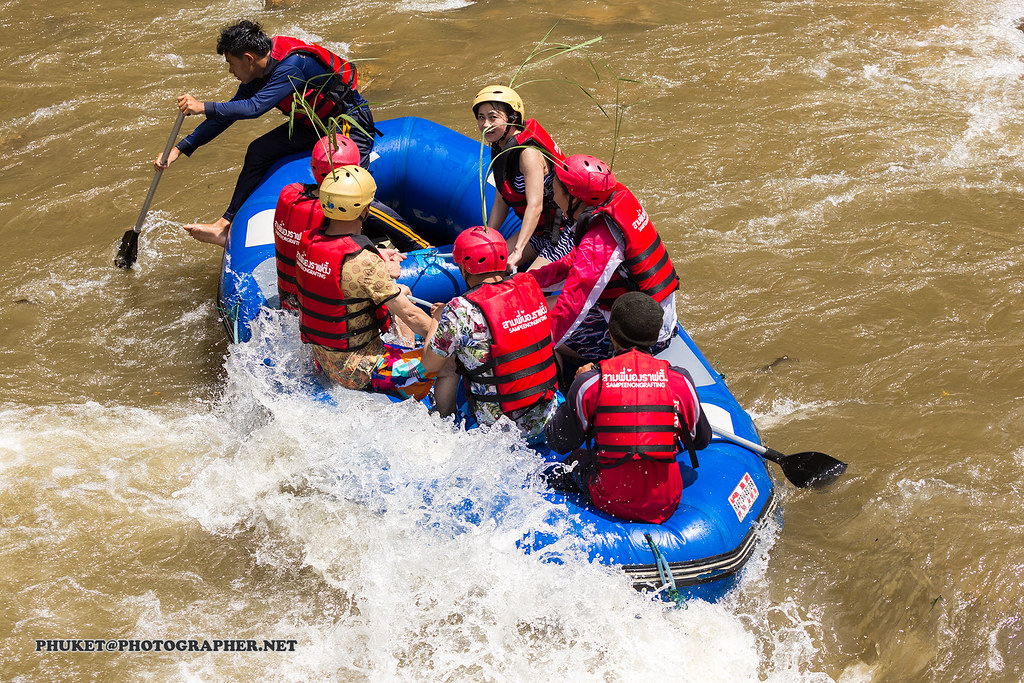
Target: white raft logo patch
[[743, 496]]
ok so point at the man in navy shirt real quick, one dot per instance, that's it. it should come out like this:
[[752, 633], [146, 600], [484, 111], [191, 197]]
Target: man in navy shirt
[[274, 72]]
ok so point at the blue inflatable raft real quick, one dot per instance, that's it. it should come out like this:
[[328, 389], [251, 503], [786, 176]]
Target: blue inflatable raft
[[431, 176]]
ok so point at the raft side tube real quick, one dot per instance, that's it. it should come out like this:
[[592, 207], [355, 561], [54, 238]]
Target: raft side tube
[[430, 174]]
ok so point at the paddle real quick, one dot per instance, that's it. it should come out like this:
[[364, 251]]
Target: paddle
[[809, 469], [129, 249]]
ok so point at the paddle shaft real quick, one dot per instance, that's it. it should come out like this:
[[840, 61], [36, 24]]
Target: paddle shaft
[[159, 171], [809, 469], [767, 453]]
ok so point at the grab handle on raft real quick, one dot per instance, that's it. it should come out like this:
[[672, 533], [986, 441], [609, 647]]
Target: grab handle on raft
[[420, 302], [664, 572]]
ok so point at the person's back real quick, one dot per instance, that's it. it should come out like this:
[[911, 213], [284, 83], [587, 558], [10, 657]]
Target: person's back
[[329, 83], [347, 296], [342, 293], [512, 371], [646, 266], [634, 415], [639, 411], [617, 250], [298, 210], [499, 336]]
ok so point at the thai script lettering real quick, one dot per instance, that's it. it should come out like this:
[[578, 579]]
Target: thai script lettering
[[289, 236], [641, 221], [314, 268], [636, 380], [522, 320]]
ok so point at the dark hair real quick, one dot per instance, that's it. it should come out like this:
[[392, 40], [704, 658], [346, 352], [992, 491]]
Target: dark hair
[[245, 36], [636, 320], [511, 114]]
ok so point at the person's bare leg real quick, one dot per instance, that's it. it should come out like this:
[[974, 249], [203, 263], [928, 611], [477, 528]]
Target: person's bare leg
[[551, 297], [538, 261], [446, 386], [211, 233]]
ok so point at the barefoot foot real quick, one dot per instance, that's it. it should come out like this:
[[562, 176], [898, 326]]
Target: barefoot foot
[[211, 233]]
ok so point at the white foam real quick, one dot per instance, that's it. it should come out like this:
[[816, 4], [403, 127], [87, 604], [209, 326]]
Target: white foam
[[419, 523], [782, 410], [432, 5]]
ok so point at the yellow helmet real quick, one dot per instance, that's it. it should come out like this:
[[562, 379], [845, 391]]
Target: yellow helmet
[[345, 193], [499, 93]]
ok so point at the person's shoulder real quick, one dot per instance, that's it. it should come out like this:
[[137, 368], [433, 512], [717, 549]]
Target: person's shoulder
[[293, 190], [365, 265], [526, 277], [680, 377], [599, 230], [599, 240], [606, 228], [531, 153], [291, 62], [460, 308], [457, 302], [584, 382]]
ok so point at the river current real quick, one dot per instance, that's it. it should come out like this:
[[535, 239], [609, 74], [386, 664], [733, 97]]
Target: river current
[[839, 185]]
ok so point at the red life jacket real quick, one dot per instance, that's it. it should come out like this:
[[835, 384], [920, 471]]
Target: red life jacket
[[298, 211], [647, 266], [326, 317], [522, 359], [636, 416], [324, 95], [506, 169]]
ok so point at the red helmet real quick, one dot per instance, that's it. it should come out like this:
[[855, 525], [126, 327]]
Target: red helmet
[[324, 159], [587, 178], [481, 250]]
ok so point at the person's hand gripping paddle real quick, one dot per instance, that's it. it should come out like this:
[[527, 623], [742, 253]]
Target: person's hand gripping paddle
[[128, 252]]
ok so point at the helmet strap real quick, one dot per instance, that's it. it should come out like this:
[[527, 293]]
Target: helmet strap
[[504, 136], [574, 204]]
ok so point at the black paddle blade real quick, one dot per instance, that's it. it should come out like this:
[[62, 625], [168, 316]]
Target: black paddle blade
[[128, 251], [811, 469]]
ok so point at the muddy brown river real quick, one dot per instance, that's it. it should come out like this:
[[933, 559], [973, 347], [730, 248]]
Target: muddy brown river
[[840, 187]]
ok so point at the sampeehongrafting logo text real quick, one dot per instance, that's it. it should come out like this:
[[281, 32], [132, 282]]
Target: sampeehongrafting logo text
[[522, 320], [636, 380], [314, 268], [289, 236]]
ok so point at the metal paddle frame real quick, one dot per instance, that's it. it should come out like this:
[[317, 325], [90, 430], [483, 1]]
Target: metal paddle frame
[[809, 469], [128, 252]]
